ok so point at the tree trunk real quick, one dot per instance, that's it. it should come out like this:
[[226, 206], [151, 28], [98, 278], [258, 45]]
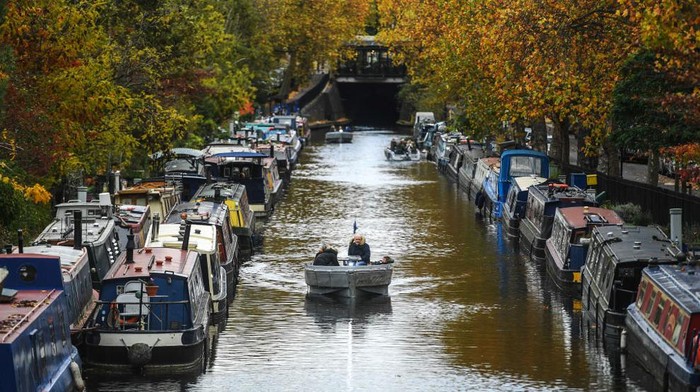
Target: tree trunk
[[653, 168], [539, 135]]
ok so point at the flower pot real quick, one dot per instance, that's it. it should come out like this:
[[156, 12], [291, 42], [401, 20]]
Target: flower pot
[[151, 290]]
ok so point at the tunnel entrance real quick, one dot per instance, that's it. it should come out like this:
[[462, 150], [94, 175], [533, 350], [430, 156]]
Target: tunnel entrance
[[370, 103]]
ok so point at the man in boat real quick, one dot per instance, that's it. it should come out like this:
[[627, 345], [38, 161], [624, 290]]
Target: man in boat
[[358, 247], [326, 256]]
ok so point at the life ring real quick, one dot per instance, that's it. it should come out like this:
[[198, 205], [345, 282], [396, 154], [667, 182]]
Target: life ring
[[114, 319]]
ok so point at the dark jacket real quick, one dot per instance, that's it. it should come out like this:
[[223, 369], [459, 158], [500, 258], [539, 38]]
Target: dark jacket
[[327, 257], [359, 250]]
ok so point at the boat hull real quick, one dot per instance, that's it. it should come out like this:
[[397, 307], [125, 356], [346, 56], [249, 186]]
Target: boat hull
[[348, 281], [338, 137]]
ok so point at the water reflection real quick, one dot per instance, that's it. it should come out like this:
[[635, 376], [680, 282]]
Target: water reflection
[[328, 312]]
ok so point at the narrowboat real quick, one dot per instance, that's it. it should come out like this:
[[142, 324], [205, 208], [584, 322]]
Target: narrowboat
[[273, 182], [89, 224], [514, 163], [132, 219], [421, 121], [442, 145], [153, 315], [161, 196], [348, 280], [663, 326], [472, 174], [613, 270], [224, 251], [243, 221], [284, 136], [285, 162], [297, 123], [567, 247], [516, 201], [185, 170], [246, 168], [542, 203], [36, 351], [469, 150]]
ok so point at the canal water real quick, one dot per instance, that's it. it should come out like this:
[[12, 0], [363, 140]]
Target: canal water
[[466, 310]]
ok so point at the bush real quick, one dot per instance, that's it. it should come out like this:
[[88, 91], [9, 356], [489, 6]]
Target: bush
[[632, 214]]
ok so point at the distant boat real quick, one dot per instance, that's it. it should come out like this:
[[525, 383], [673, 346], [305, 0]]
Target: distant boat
[[338, 137], [36, 353], [348, 280]]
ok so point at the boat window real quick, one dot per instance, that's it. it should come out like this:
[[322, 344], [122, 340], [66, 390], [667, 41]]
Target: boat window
[[650, 304], [205, 265], [659, 311], [641, 294], [680, 320]]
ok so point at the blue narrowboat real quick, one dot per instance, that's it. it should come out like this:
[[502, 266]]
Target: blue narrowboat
[[663, 326], [36, 352], [514, 163], [152, 316], [516, 202], [567, 247]]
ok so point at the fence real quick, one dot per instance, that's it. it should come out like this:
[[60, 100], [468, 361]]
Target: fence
[[656, 200]]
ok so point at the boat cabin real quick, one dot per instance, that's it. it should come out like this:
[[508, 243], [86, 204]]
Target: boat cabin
[[663, 325], [567, 247], [613, 270], [516, 201], [159, 195]]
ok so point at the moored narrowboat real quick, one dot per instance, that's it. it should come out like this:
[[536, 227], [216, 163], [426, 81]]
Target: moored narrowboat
[[247, 168], [243, 222], [514, 163], [159, 195], [224, 250], [89, 224], [613, 270], [567, 247], [460, 154], [36, 352], [516, 202], [472, 175], [542, 203], [152, 317], [663, 326]]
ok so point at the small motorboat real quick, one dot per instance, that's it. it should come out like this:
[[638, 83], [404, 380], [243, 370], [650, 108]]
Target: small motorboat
[[392, 155], [350, 279], [339, 136]]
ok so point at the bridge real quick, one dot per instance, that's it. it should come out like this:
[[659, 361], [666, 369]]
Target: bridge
[[371, 65]]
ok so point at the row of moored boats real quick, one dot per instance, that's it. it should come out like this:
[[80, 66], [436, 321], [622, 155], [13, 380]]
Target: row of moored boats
[[634, 282], [139, 281]]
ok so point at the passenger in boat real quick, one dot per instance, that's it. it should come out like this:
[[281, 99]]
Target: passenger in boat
[[358, 247], [326, 256]]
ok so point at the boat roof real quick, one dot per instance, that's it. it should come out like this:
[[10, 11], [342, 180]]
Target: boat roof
[[557, 191], [227, 190], [70, 258], [240, 154], [179, 151], [132, 216], [680, 282], [525, 182], [22, 308], [199, 212], [153, 260], [582, 216], [170, 235], [95, 227], [490, 161], [636, 243], [153, 187]]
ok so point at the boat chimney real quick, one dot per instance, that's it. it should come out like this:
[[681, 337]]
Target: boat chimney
[[272, 150], [677, 226], [130, 245], [20, 241], [78, 229], [117, 181], [155, 227], [82, 194], [278, 137], [217, 193], [186, 236]]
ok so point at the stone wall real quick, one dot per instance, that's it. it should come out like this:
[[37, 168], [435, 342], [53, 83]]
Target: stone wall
[[326, 107]]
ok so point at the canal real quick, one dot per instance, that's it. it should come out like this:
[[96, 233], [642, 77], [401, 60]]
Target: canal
[[466, 310]]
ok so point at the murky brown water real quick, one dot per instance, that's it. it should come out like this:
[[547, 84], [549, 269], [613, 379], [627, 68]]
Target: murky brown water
[[466, 311]]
